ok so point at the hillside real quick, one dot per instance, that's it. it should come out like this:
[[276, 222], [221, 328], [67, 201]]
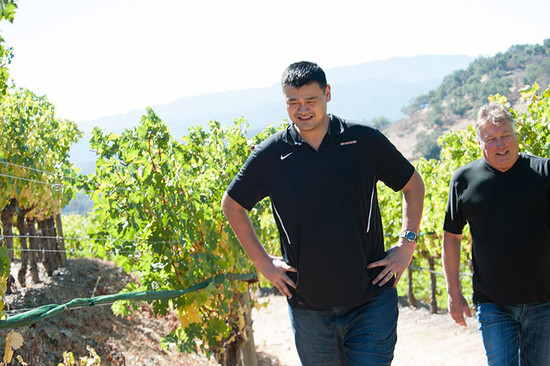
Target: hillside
[[454, 103]]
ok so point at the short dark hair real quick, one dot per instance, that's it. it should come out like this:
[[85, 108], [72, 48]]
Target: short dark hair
[[302, 73]]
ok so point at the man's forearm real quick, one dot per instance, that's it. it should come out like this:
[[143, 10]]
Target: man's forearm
[[451, 262], [242, 227], [413, 202]]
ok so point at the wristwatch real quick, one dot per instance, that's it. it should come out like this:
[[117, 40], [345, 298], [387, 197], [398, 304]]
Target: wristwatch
[[409, 235]]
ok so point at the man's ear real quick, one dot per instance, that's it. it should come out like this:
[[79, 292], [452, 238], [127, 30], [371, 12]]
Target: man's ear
[[327, 93]]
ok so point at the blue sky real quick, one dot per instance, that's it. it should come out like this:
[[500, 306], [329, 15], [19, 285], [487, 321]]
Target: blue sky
[[100, 58]]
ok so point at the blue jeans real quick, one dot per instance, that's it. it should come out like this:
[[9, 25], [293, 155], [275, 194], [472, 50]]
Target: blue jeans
[[363, 335], [515, 334]]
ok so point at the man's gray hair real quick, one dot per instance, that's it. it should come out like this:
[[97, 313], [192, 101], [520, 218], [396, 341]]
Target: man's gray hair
[[494, 113]]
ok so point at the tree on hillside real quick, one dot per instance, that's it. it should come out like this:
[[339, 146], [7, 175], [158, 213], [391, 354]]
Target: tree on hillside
[[380, 122], [427, 145]]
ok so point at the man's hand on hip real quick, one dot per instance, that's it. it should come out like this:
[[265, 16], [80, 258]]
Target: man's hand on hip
[[396, 262], [275, 270]]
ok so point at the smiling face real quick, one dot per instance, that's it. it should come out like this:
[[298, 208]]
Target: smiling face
[[307, 108], [499, 145]]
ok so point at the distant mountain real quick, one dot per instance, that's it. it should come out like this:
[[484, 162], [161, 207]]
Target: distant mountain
[[359, 92]]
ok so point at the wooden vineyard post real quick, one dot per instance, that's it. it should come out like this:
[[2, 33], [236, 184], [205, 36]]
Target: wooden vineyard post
[[60, 241], [248, 348]]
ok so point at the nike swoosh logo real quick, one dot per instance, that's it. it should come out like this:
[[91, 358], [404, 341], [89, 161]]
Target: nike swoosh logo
[[283, 157]]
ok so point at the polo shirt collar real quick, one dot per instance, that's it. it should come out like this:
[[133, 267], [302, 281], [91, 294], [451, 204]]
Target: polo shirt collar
[[336, 127]]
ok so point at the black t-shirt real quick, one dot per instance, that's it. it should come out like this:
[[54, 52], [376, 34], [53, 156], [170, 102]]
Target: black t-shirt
[[509, 217], [325, 206]]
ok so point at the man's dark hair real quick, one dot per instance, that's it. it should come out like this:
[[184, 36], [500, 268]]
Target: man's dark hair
[[302, 73]]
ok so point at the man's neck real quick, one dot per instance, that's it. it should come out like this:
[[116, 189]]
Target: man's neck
[[315, 138]]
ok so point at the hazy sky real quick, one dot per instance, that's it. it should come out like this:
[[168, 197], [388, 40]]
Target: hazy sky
[[99, 58]]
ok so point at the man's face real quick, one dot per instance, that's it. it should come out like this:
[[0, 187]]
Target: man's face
[[499, 145], [307, 106]]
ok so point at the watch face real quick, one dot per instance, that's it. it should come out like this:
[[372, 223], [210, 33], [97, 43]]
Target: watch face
[[409, 235]]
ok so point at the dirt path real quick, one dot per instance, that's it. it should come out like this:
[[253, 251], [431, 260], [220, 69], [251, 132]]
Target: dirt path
[[423, 339]]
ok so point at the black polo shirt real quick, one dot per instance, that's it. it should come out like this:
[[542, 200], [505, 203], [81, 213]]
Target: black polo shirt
[[325, 206], [509, 217]]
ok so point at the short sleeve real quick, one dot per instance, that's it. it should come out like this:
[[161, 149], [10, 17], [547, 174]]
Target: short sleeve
[[249, 185], [454, 221]]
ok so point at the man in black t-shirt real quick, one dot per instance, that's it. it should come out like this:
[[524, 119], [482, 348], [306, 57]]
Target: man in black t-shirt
[[320, 174], [505, 198]]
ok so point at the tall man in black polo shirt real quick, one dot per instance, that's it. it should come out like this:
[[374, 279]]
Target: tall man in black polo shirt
[[321, 174], [505, 198]]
